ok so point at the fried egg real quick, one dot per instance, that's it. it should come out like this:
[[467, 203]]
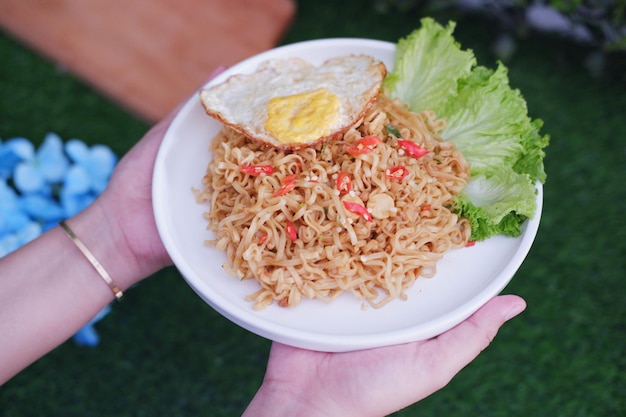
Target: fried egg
[[290, 103]]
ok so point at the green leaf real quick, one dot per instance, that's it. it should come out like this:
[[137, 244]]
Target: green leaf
[[486, 119], [428, 64], [497, 202]]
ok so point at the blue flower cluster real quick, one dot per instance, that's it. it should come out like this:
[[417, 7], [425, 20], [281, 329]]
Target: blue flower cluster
[[41, 186]]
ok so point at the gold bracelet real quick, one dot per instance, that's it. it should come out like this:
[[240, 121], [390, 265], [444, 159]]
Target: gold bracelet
[[92, 259]]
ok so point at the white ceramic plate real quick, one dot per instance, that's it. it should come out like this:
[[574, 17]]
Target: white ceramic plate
[[466, 278]]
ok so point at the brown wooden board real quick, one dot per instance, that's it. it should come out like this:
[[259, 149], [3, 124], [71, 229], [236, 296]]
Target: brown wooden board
[[147, 55]]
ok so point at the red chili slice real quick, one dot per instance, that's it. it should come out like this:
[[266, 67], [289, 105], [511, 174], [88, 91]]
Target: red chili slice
[[343, 182], [413, 149], [358, 209], [256, 170], [263, 238], [291, 231], [284, 189], [397, 173], [288, 178], [369, 141], [363, 145]]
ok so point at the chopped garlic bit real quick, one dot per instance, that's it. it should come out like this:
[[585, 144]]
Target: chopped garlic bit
[[381, 206]]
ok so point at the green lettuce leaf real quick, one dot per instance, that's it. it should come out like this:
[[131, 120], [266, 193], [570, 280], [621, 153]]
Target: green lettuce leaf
[[428, 64], [497, 202], [485, 118], [531, 160], [488, 122]]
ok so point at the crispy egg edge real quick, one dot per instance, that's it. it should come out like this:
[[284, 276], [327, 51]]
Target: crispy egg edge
[[370, 94]]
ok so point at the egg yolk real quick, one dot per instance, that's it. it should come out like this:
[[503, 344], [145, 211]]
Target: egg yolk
[[302, 118]]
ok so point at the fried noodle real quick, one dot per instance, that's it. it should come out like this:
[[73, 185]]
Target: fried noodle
[[336, 250]]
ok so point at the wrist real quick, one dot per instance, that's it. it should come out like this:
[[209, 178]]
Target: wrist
[[105, 240]]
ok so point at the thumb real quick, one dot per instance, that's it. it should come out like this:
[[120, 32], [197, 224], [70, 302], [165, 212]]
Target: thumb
[[460, 345]]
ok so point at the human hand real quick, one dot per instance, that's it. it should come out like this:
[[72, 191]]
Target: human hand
[[118, 229], [127, 202], [375, 382]]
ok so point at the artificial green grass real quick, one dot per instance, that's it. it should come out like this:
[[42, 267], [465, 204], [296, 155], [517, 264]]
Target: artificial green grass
[[165, 352]]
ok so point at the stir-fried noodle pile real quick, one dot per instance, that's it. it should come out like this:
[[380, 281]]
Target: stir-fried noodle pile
[[296, 221]]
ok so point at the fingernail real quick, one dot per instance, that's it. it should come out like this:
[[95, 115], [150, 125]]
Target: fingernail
[[514, 311]]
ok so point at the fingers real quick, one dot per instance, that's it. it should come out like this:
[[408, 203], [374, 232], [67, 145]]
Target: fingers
[[457, 347]]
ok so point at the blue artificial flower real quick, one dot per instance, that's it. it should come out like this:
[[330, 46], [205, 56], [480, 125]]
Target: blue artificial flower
[[40, 187], [75, 203], [11, 216], [40, 169], [9, 157], [43, 208], [96, 163], [13, 241], [88, 177], [16, 227]]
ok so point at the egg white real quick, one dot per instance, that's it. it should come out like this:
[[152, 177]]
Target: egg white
[[242, 100]]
